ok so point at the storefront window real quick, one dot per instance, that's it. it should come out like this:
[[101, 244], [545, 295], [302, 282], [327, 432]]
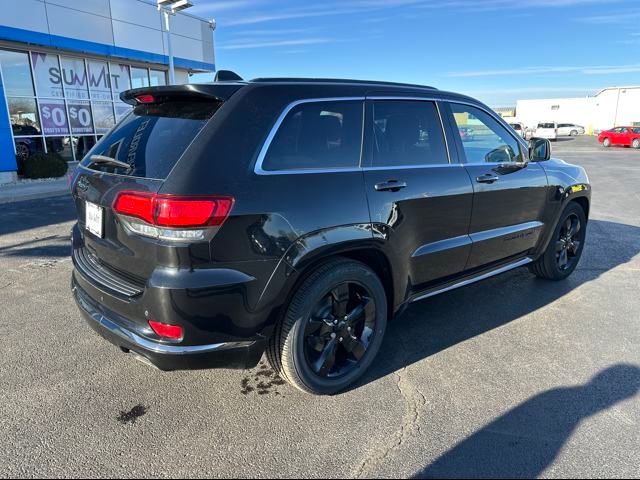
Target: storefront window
[[16, 73], [54, 117], [24, 116], [80, 117], [158, 78], [99, 80], [122, 109], [74, 77], [120, 79], [82, 146], [25, 147], [62, 146], [103, 116], [47, 75], [139, 77], [63, 103]]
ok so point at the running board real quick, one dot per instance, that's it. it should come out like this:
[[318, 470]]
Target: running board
[[469, 281]]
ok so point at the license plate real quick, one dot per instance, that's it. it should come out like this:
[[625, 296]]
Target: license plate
[[93, 218]]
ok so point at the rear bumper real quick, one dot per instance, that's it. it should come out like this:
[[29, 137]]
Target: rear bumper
[[111, 326]]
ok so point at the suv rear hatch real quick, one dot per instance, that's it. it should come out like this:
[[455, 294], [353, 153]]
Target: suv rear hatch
[[131, 163]]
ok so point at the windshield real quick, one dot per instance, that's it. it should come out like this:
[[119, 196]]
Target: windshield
[[152, 138]]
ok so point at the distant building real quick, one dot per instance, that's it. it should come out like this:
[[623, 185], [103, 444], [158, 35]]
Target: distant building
[[610, 107], [506, 112]]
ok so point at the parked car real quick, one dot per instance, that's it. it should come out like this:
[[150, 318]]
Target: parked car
[[570, 130], [466, 134], [548, 130], [25, 147], [218, 222], [621, 136], [519, 128]]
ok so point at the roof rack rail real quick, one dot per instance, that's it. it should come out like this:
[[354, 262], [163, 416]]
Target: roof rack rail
[[336, 80]]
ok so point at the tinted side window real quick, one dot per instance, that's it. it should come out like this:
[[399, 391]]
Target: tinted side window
[[488, 142], [407, 133], [318, 135]]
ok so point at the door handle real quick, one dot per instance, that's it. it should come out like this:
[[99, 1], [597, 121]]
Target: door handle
[[487, 178], [390, 186]]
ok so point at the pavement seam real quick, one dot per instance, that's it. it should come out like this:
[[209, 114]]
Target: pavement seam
[[414, 400]]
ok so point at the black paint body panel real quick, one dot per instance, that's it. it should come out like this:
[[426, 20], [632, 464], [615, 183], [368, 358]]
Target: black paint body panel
[[233, 286]]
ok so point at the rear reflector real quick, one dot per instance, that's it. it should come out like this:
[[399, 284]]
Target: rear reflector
[[164, 330], [174, 211]]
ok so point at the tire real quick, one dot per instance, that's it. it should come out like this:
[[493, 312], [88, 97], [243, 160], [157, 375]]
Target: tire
[[574, 133], [295, 354], [549, 265], [606, 143], [636, 143]]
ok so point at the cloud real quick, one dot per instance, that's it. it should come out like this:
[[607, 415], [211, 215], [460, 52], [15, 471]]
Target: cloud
[[226, 5], [584, 70], [612, 19], [275, 43]]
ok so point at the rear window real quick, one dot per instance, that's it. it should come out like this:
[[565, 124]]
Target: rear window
[[152, 138], [317, 135], [546, 125]]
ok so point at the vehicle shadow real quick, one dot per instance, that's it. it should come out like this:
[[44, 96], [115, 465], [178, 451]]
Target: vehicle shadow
[[523, 442], [440, 322], [564, 139], [20, 216]]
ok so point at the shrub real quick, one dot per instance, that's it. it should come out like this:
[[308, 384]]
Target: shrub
[[45, 165]]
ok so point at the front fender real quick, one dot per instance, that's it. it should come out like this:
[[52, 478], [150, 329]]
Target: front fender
[[567, 183]]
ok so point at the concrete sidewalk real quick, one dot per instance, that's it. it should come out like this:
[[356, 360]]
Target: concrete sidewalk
[[31, 190]]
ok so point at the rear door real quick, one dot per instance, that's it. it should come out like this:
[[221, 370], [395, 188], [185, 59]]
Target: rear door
[[147, 144], [509, 194], [420, 202], [617, 136]]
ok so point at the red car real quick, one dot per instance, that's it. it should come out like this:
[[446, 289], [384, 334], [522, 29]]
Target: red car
[[625, 136]]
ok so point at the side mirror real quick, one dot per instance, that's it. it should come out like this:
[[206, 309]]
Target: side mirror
[[539, 149]]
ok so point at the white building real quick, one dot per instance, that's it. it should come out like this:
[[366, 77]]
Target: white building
[[64, 63], [610, 107]]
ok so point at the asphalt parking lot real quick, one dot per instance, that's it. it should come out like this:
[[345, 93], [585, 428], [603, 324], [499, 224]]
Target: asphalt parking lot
[[512, 377]]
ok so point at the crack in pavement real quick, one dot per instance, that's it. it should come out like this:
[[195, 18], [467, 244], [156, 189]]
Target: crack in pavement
[[414, 400]]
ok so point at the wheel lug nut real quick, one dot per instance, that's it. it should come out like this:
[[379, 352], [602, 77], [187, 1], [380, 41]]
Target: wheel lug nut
[[341, 339], [348, 329], [333, 335]]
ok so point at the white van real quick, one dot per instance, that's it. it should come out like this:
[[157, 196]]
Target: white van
[[548, 130]]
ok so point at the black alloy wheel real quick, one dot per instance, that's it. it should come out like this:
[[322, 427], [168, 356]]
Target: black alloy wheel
[[568, 242], [340, 329], [332, 328]]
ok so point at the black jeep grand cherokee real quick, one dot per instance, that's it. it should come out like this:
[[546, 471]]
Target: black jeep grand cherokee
[[220, 221]]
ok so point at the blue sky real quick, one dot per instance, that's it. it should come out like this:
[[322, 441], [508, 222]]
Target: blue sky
[[496, 50]]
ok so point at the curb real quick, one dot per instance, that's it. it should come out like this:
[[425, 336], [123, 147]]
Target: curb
[[33, 196]]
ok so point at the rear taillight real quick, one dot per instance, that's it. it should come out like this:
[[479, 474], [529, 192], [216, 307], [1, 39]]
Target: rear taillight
[[145, 99], [164, 330], [171, 217]]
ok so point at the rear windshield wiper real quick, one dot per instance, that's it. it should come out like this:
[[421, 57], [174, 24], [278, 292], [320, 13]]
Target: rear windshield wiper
[[109, 160]]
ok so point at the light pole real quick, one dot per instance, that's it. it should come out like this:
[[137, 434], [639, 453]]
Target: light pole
[[168, 8]]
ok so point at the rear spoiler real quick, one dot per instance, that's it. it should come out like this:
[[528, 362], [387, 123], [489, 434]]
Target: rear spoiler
[[218, 92]]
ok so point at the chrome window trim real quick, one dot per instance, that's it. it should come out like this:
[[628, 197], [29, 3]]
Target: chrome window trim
[[413, 167], [258, 170]]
